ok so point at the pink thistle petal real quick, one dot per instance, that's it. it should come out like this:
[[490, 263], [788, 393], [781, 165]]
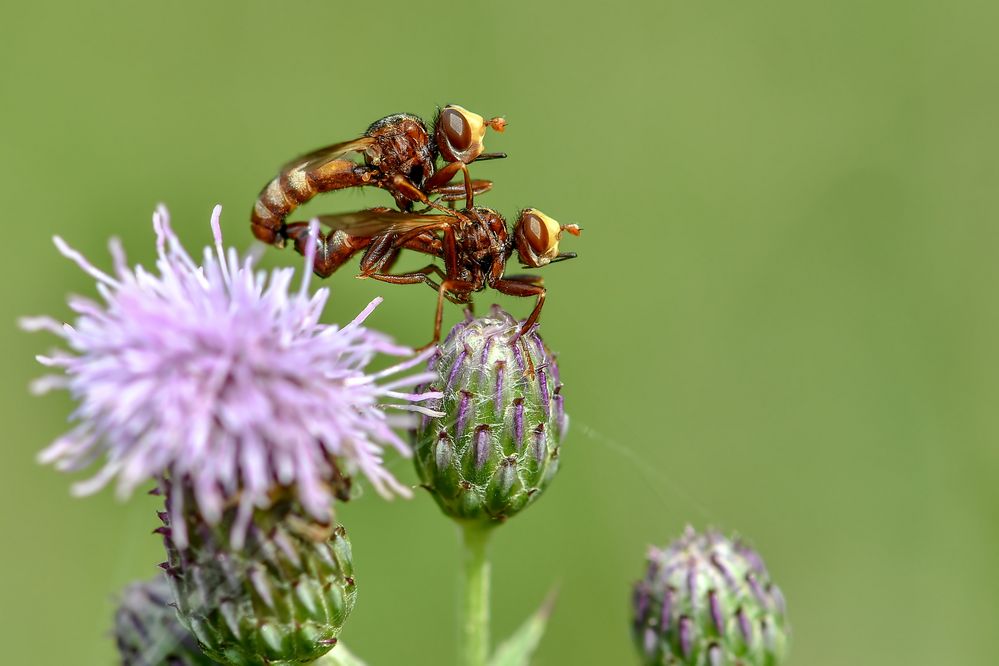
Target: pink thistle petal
[[222, 375]]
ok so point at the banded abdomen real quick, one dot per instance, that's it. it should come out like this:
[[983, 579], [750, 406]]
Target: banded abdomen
[[293, 187]]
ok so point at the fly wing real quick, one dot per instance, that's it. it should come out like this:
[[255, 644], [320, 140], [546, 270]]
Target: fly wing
[[336, 151], [376, 221]]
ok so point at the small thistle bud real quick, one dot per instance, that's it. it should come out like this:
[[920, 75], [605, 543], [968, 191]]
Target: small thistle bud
[[708, 601], [148, 632], [497, 446], [281, 598]]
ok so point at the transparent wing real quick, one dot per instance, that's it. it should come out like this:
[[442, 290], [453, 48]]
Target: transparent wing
[[336, 151], [375, 221]]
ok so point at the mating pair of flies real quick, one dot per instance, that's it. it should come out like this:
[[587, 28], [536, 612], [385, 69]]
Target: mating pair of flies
[[400, 156]]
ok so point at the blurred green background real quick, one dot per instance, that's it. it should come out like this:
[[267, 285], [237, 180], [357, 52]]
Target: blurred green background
[[784, 319]]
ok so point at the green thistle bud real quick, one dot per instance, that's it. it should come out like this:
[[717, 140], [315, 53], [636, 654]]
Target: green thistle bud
[[148, 632], [708, 601], [497, 446], [279, 598]]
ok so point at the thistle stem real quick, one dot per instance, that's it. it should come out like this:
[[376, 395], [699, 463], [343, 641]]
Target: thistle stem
[[474, 617]]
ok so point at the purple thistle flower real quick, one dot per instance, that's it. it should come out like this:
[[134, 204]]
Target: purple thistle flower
[[221, 376]]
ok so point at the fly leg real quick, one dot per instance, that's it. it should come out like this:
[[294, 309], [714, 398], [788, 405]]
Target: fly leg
[[413, 277], [333, 250], [444, 176], [454, 289], [440, 182], [416, 277], [452, 192], [528, 278], [460, 289], [405, 193], [523, 285]]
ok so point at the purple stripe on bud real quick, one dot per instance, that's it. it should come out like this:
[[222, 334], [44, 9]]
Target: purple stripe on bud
[[452, 375], [754, 559], [560, 421], [545, 398], [540, 347], [486, 347], [458, 328], [692, 582], [554, 368], [498, 398], [686, 636], [640, 601], [481, 446], [464, 407], [745, 628], [754, 585], [435, 358], [667, 610], [539, 443], [519, 356], [718, 564], [778, 598], [716, 612], [518, 423]]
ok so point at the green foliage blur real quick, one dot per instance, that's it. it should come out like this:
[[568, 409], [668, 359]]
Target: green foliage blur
[[784, 319]]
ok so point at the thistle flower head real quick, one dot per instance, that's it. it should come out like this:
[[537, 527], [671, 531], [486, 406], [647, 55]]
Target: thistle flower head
[[496, 448], [220, 375], [708, 601]]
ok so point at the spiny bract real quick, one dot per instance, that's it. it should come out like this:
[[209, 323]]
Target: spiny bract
[[497, 446], [280, 599], [708, 601]]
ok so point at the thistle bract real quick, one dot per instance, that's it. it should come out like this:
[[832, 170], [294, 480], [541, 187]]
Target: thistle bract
[[147, 631], [708, 601], [280, 599], [497, 446]]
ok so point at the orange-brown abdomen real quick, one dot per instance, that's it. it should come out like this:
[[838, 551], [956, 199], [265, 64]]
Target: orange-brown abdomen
[[292, 188]]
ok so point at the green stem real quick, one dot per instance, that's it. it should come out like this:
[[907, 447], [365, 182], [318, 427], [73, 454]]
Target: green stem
[[474, 616]]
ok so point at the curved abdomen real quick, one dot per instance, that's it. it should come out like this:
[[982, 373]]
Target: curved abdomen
[[292, 188]]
